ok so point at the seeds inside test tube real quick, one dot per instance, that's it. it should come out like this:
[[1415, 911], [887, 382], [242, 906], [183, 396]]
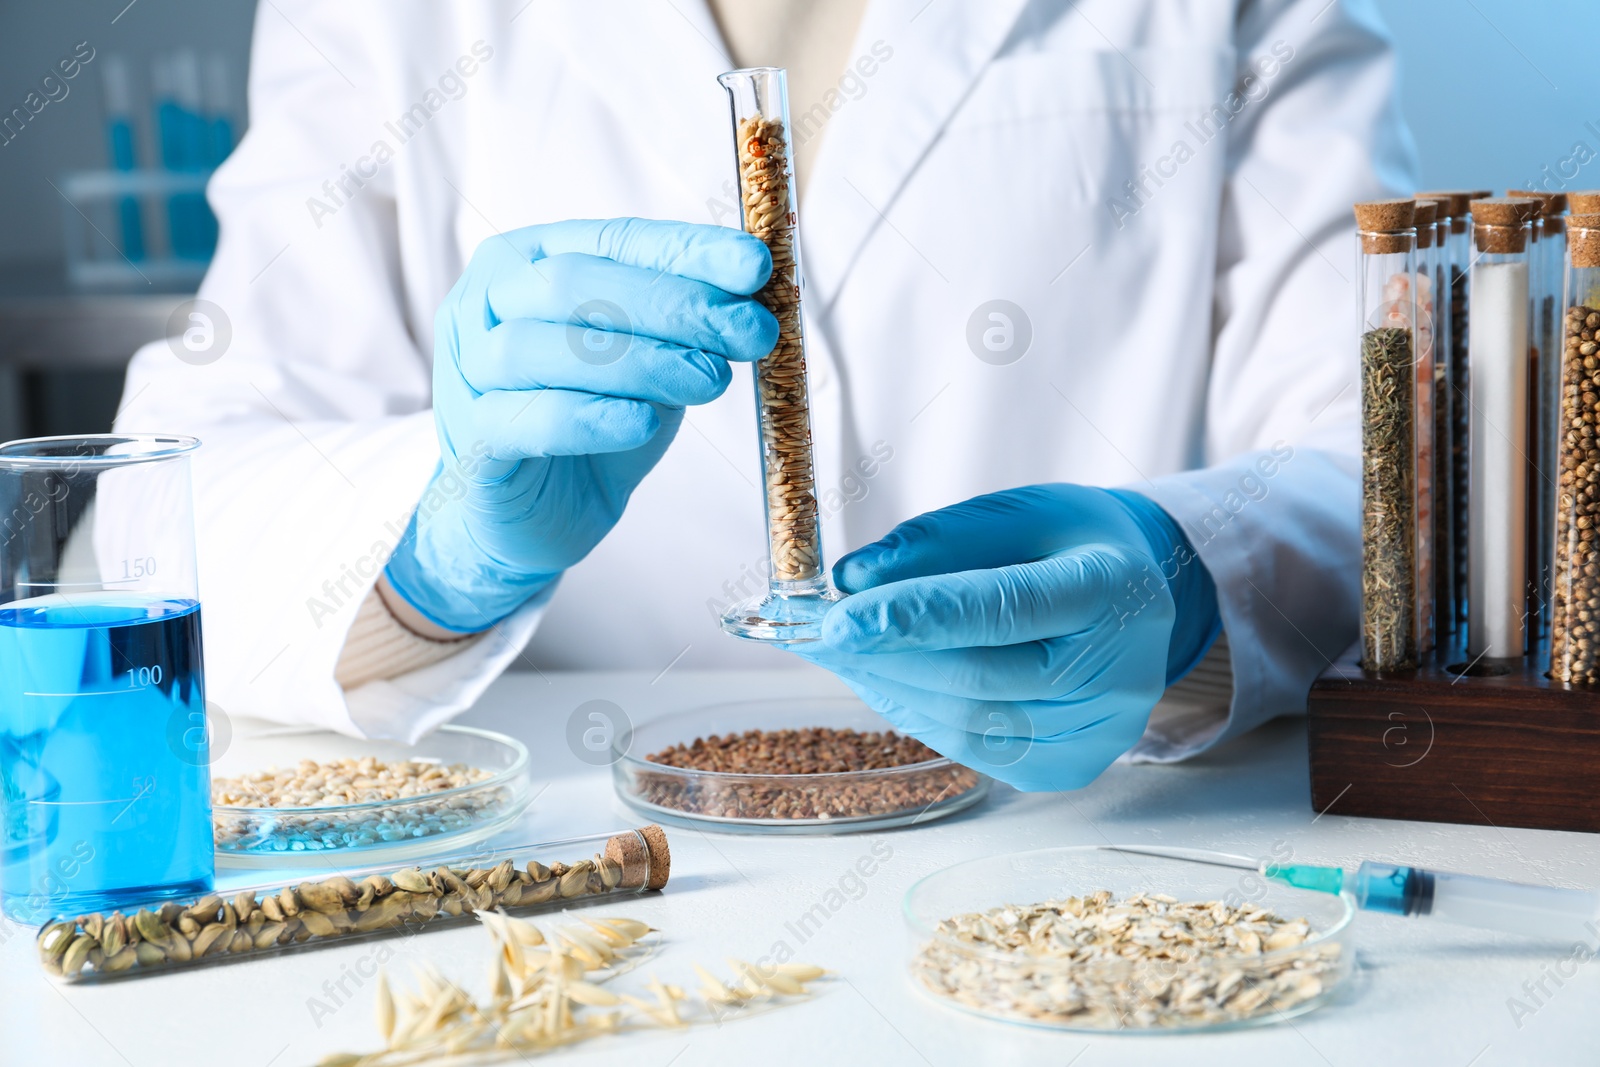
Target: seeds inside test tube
[[798, 592], [782, 401]]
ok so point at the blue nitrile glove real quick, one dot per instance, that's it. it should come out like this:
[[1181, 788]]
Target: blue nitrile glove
[[563, 359], [1026, 633]]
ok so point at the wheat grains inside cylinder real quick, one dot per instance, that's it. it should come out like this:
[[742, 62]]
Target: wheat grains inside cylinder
[[798, 591]]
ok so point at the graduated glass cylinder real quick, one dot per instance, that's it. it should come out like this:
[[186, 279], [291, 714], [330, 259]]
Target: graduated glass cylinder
[[798, 593], [104, 754], [1497, 586], [1575, 606], [1392, 595]]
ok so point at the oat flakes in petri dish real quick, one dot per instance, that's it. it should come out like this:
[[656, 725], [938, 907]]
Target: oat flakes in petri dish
[[1092, 938], [281, 794], [825, 765]]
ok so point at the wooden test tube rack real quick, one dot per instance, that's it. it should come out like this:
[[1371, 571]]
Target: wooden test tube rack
[[1496, 749]]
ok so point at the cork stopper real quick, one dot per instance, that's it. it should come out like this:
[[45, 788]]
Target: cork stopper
[[1456, 198], [1585, 203], [647, 862], [1583, 240], [1497, 223], [1459, 201], [1551, 207], [1385, 225], [1424, 218]]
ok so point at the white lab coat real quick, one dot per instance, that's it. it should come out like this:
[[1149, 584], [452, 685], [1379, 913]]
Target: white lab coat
[[1182, 258]]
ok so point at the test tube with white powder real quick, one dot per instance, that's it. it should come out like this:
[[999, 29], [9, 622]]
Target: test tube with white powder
[[1497, 594]]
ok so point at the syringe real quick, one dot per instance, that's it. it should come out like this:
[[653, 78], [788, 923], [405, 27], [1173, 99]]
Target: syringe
[[1416, 892]]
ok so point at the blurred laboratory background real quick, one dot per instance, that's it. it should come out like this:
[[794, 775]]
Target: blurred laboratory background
[[101, 173]]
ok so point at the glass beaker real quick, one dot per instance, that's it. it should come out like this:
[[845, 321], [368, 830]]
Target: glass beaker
[[105, 783], [798, 592]]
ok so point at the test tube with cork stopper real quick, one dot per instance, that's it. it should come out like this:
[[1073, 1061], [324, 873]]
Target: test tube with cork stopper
[[1497, 594], [1392, 594]]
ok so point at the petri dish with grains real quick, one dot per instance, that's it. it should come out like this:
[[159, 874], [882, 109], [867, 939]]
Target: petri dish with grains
[[795, 766]]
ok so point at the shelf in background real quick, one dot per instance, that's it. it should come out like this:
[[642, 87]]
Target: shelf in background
[[47, 326]]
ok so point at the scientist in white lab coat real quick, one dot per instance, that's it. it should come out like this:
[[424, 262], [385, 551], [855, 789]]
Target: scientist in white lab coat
[[1049, 247]]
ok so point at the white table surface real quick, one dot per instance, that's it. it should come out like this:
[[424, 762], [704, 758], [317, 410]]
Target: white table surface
[[1426, 993]]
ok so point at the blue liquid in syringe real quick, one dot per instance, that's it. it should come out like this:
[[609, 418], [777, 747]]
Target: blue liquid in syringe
[[104, 759]]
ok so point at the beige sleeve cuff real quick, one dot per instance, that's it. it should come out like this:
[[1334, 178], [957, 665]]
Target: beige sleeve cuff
[[379, 646], [1192, 712]]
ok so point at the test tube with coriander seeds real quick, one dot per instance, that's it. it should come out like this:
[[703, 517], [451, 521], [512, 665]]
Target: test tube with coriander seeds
[[1497, 564], [1575, 604], [1391, 593], [1433, 249], [798, 591]]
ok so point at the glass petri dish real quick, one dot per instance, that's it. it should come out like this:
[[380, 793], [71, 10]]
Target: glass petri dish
[[372, 831], [1185, 991], [831, 803]]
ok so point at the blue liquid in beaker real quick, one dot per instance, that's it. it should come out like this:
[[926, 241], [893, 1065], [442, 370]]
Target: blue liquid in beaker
[[104, 760]]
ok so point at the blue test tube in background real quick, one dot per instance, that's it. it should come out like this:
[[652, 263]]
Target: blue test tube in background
[[220, 109], [185, 141], [120, 145], [104, 744]]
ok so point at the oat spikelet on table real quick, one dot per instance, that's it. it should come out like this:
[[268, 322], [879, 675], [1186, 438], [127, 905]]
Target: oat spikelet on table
[[548, 987]]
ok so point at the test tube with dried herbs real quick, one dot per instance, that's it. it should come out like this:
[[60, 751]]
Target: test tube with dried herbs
[[799, 592], [1575, 608], [1391, 593]]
